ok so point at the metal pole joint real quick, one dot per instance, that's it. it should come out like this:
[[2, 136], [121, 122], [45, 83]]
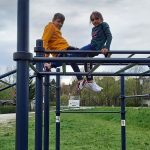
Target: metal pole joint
[[21, 55]]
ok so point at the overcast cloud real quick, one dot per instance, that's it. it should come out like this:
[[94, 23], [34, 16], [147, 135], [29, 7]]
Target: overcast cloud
[[128, 21]]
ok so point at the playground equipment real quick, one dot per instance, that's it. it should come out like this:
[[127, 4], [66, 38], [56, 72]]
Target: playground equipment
[[39, 94], [39, 59], [24, 57]]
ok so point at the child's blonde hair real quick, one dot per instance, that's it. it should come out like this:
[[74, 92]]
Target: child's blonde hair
[[97, 15]]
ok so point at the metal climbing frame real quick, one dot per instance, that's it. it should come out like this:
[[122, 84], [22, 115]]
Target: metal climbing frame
[[129, 62], [24, 57]]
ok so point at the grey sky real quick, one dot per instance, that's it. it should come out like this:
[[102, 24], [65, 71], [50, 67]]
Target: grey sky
[[128, 22]]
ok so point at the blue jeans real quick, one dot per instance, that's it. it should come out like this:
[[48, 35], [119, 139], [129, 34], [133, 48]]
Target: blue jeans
[[88, 47]]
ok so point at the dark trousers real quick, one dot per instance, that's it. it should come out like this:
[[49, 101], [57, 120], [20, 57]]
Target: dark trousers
[[88, 66]]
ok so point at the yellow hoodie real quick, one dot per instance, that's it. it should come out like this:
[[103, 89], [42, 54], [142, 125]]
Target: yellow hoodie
[[53, 40]]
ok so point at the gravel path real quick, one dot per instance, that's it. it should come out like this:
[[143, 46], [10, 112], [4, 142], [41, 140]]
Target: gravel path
[[4, 118]]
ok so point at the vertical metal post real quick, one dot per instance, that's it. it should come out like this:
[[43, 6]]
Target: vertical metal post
[[64, 65], [39, 98], [89, 68], [22, 76], [58, 110], [46, 112], [123, 123]]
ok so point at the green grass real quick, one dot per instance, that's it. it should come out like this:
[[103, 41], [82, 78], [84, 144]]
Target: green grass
[[7, 136], [90, 131]]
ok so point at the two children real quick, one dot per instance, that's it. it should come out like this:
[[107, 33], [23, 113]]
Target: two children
[[53, 40]]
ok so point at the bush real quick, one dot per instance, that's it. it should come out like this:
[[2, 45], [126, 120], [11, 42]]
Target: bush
[[64, 100], [7, 109], [53, 103]]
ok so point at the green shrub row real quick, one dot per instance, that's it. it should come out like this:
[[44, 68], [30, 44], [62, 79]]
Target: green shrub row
[[7, 109]]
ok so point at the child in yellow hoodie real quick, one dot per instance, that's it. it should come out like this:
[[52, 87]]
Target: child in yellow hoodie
[[53, 40]]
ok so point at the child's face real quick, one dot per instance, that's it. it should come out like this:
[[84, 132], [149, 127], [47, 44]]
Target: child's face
[[95, 20], [58, 23]]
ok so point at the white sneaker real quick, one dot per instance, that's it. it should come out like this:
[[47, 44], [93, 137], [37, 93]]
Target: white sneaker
[[81, 84], [93, 86]]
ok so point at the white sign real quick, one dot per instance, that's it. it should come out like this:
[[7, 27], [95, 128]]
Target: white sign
[[123, 123], [74, 103], [57, 118]]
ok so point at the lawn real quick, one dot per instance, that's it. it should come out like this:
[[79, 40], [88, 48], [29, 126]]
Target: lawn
[[90, 131]]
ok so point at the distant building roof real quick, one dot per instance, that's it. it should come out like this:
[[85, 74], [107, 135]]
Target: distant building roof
[[7, 101]]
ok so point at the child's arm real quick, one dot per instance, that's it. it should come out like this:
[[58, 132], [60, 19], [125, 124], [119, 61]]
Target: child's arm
[[108, 35], [47, 35]]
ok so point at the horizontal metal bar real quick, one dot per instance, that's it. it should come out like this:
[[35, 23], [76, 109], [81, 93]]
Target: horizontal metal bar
[[133, 96], [99, 52], [11, 85], [32, 76], [7, 87], [5, 82], [96, 66], [146, 72], [8, 73], [128, 67], [113, 64], [94, 74], [125, 68], [131, 55], [90, 112], [33, 68], [93, 60], [106, 64]]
